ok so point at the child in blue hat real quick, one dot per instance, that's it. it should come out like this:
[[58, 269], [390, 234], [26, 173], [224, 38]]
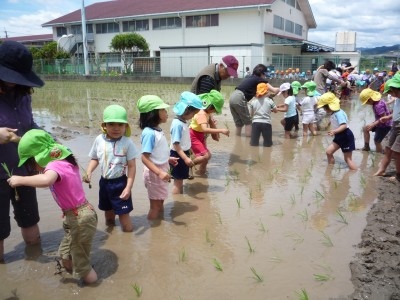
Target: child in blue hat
[[188, 105]]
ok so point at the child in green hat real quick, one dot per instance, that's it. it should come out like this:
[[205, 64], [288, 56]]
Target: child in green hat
[[308, 106], [55, 166], [202, 124], [116, 154]]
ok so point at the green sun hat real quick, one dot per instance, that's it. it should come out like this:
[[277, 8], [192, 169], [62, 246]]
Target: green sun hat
[[310, 86], [215, 98], [39, 144], [296, 86], [393, 82], [148, 103], [116, 114]]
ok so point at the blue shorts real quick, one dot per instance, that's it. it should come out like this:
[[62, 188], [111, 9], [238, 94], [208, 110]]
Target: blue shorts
[[380, 133], [291, 122], [109, 192], [26, 211], [181, 170], [345, 140]]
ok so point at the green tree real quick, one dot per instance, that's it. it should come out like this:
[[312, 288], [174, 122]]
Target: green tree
[[129, 43]]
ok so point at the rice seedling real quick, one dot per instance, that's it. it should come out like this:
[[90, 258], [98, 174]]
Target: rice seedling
[[208, 240], [335, 183], [256, 276], [342, 218], [250, 194], [302, 295], [182, 255], [322, 277], [219, 218], [236, 174], [302, 190], [297, 238], [280, 213], [261, 227], [238, 202], [138, 289], [258, 185], [9, 174], [217, 265], [318, 197], [251, 248], [373, 158], [303, 215], [226, 125], [292, 199], [363, 181], [227, 180], [275, 259], [85, 175], [259, 158], [326, 241]]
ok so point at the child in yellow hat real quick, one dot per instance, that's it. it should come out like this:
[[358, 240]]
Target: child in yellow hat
[[343, 137]]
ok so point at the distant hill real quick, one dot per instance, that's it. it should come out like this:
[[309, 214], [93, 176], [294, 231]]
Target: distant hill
[[379, 50]]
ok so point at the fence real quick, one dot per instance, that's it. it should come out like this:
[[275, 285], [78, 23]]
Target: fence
[[114, 65]]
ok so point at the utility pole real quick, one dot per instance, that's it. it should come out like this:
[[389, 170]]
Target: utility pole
[[84, 41]]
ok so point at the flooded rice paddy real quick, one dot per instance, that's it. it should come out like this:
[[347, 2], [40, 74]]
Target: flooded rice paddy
[[265, 223]]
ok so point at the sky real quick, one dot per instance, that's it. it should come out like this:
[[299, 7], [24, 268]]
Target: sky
[[375, 22]]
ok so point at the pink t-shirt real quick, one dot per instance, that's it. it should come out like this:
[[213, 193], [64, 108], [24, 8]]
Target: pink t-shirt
[[67, 190]]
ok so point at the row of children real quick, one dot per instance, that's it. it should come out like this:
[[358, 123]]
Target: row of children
[[51, 164]]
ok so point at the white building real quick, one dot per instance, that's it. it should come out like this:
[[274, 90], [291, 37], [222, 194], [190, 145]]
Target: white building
[[187, 34]]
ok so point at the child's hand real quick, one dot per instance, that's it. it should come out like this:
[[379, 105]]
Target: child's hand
[[164, 176], [189, 162], [173, 161], [331, 132], [370, 126], [215, 136], [225, 131], [13, 181], [125, 194]]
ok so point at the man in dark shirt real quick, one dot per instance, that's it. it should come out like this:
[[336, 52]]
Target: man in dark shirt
[[210, 77]]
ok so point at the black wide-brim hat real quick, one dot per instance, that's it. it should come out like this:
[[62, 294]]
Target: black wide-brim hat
[[16, 65]]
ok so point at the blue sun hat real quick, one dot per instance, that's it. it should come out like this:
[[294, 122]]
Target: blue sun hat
[[187, 99]]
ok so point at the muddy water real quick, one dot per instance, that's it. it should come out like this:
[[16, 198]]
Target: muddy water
[[276, 210]]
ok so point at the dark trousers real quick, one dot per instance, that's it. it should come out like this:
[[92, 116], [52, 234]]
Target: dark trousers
[[263, 129]]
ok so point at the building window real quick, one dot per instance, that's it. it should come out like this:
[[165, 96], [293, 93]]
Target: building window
[[202, 21], [136, 25], [167, 23], [77, 29], [298, 6], [279, 22], [107, 28], [291, 2], [289, 26], [298, 29], [61, 31]]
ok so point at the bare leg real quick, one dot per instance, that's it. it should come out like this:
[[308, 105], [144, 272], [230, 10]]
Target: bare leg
[[349, 161], [110, 217], [1, 251], [238, 131], [31, 235], [126, 223], [156, 207], [67, 264], [305, 129], [90, 277], [366, 138], [384, 162], [178, 186], [247, 130], [332, 148], [378, 147], [312, 129]]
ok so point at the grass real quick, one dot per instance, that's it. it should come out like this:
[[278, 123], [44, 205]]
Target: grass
[[279, 214], [261, 227], [256, 276], [9, 174], [326, 241], [138, 289], [322, 277], [182, 255], [342, 218], [251, 248], [302, 295], [217, 265]]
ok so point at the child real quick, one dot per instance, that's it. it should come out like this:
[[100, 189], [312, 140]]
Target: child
[[296, 86], [188, 105], [202, 124], [289, 108], [308, 105], [56, 167], [392, 150], [115, 152], [343, 136], [260, 111], [380, 109], [155, 152]]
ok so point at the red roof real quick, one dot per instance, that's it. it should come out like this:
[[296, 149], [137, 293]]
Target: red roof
[[132, 8], [30, 38]]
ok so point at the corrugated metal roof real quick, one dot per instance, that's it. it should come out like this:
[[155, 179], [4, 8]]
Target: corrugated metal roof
[[132, 8]]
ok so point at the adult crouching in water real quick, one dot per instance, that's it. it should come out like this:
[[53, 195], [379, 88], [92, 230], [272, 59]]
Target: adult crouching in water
[[244, 92], [16, 86]]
